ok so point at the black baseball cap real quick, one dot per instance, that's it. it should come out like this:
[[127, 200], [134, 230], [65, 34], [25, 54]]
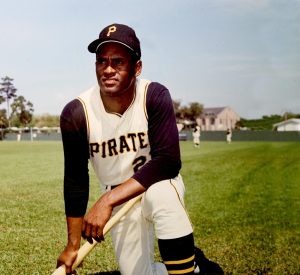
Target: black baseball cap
[[117, 33]]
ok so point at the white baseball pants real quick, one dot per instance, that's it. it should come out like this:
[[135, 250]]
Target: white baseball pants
[[161, 211]]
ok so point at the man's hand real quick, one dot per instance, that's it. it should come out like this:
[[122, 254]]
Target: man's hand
[[67, 258], [99, 214], [95, 220]]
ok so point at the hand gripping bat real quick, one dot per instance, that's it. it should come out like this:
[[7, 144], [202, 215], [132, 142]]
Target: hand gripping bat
[[87, 247]]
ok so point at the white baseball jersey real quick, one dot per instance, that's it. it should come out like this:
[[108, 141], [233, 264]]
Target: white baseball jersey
[[118, 144], [118, 147]]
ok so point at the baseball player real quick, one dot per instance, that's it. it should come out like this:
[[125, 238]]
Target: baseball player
[[228, 135], [126, 128], [196, 136]]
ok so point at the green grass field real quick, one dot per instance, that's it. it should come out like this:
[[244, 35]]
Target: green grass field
[[243, 199]]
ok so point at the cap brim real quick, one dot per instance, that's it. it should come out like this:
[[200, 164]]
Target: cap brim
[[94, 46]]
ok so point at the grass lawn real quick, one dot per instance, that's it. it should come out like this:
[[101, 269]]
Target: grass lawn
[[243, 199]]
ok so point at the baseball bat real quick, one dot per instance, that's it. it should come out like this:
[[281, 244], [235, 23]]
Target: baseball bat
[[87, 247]]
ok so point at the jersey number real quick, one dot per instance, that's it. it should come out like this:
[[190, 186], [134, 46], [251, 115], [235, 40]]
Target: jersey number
[[138, 162]]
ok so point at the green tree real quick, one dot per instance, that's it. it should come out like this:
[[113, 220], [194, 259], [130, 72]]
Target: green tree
[[3, 119], [7, 92], [289, 115], [190, 112], [264, 123], [195, 110], [240, 124], [45, 120], [3, 123], [23, 110]]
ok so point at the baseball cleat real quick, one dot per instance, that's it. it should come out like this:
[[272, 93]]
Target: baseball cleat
[[204, 266]]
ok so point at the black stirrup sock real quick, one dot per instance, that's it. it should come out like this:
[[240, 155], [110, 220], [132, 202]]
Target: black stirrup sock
[[178, 254]]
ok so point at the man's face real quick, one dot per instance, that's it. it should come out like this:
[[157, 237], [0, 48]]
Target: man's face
[[115, 69]]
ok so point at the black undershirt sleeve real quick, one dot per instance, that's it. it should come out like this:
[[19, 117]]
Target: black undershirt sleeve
[[76, 155], [163, 136]]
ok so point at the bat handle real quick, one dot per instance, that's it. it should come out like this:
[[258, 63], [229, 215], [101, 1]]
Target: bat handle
[[87, 247], [82, 253], [60, 270]]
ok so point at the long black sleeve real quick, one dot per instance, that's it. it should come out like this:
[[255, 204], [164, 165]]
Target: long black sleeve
[[163, 136], [76, 154]]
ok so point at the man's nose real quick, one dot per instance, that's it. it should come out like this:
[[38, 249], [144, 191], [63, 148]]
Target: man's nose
[[109, 69]]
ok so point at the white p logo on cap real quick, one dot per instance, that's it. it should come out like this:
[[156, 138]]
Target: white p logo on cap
[[111, 29]]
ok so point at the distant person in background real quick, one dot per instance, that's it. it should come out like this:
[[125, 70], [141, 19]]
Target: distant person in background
[[196, 136], [228, 135], [19, 136]]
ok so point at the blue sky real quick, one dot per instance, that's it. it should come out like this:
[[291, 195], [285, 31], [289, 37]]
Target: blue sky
[[239, 53]]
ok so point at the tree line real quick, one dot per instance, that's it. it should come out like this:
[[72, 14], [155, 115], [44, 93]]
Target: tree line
[[265, 122], [194, 109], [18, 112], [18, 109]]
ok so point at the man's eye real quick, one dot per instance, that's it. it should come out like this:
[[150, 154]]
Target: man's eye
[[118, 61], [101, 61]]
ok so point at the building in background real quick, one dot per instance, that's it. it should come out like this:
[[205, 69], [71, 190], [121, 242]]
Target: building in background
[[292, 124], [218, 119]]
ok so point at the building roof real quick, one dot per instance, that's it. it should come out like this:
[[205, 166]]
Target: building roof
[[212, 111], [289, 121]]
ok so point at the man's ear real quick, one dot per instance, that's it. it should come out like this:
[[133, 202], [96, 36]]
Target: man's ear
[[138, 68]]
